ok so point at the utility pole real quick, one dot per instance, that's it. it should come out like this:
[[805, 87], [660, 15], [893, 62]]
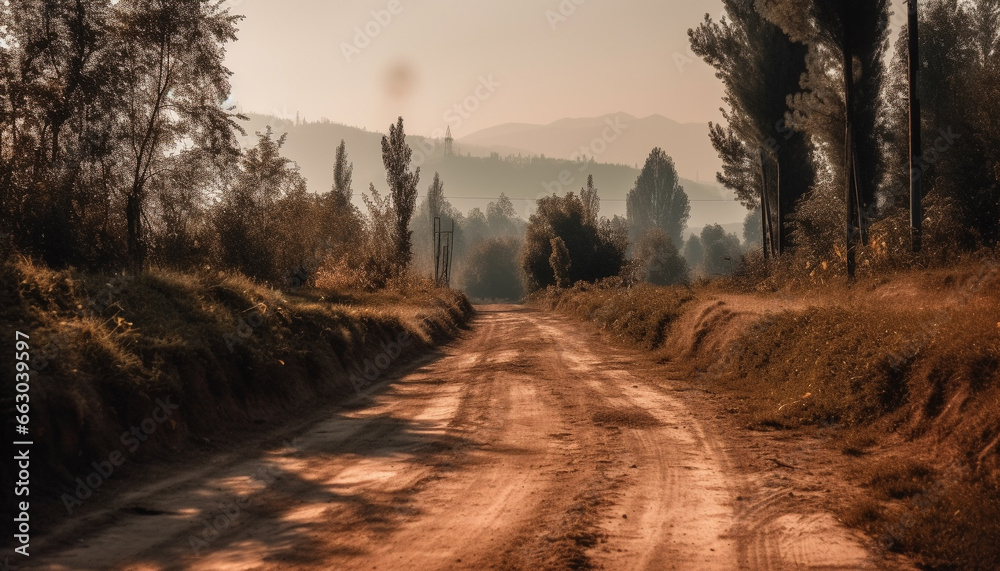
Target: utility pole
[[851, 190], [916, 196], [444, 250], [437, 250], [765, 209]]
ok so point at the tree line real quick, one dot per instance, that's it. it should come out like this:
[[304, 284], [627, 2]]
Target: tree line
[[118, 152], [816, 130]]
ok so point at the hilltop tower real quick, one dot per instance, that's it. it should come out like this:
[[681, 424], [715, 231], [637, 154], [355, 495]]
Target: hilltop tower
[[449, 143]]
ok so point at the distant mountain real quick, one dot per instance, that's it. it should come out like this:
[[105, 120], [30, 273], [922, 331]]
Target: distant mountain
[[687, 143], [479, 174]]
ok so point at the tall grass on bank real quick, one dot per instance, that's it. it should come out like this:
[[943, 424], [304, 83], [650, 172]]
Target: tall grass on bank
[[224, 348], [639, 315], [908, 361]]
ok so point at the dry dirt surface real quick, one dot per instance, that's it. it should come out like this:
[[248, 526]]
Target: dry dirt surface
[[528, 443]]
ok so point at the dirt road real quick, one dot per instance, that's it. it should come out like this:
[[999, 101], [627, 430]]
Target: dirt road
[[529, 443]]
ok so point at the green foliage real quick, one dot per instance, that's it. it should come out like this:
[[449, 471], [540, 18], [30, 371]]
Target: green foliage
[[560, 262], [836, 31], [760, 67], [594, 252], [96, 100], [722, 250], [694, 252], [658, 200], [343, 172], [402, 191], [659, 263]]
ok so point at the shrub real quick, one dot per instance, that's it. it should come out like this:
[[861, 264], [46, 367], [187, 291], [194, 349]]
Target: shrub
[[659, 263]]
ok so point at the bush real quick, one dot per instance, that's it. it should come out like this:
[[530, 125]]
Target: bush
[[659, 263], [595, 249]]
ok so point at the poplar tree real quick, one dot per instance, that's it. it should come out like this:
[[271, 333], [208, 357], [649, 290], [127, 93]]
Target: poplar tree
[[760, 67], [402, 182], [657, 200]]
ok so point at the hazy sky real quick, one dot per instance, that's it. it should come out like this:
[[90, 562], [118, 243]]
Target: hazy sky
[[532, 61]]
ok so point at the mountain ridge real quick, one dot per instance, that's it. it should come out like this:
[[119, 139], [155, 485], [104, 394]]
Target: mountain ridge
[[475, 175]]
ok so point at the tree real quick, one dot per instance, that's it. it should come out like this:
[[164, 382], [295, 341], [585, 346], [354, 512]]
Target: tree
[[245, 217], [342, 173], [378, 257], [501, 218], [913, 67], [594, 252], [659, 263], [59, 105], [658, 200], [752, 228], [101, 104], [959, 186], [591, 201], [846, 39], [722, 250], [560, 262], [959, 84], [694, 252], [760, 66], [174, 82], [402, 191], [476, 226], [435, 198]]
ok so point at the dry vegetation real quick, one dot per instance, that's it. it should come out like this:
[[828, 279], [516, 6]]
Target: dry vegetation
[[226, 349], [903, 371]]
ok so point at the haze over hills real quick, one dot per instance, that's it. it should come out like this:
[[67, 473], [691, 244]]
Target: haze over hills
[[478, 174], [613, 138]]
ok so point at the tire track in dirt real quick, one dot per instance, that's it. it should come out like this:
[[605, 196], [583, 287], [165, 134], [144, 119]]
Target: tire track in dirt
[[526, 445]]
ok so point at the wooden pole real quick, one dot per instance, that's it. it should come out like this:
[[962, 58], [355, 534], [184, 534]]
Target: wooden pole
[[850, 181], [437, 251], [765, 211], [916, 196]]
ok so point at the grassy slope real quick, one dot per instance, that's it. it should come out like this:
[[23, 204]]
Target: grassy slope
[[908, 364], [227, 351]]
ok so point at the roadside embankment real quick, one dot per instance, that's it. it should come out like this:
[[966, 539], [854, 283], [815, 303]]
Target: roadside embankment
[[132, 367], [901, 373]]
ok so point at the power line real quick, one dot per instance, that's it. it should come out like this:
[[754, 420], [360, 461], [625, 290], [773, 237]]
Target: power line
[[512, 198]]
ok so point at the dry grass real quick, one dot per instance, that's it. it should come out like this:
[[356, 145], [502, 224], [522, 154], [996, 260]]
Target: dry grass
[[226, 349], [640, 315], [909, 360]]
